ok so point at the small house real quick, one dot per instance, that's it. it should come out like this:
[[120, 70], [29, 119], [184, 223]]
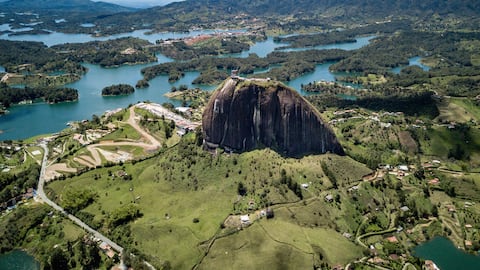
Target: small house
[[184, 110], [392, 239], [245, 219], [329, 198]]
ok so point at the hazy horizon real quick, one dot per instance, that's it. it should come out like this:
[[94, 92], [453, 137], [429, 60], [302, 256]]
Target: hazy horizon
[[139, 3]]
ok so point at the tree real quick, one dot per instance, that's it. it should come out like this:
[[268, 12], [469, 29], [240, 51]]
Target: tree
[[95, 119], [89, 256], [241, 189], [58, 260], [198, 136]]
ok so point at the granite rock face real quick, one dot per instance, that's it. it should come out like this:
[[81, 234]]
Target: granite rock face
[[244, 114]]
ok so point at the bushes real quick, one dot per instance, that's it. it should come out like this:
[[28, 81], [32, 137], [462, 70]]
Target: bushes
[[292, 185], [75, 200], [124, 214]]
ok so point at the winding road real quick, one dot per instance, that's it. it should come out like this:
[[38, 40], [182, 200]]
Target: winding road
[[43, 197]]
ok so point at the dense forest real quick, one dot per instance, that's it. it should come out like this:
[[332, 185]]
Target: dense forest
[[117, 90], [391, 51], [408, 101], [35, 57], [9, 95], [108, 53]]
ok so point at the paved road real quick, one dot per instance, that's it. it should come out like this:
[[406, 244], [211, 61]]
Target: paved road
[[41, 194]]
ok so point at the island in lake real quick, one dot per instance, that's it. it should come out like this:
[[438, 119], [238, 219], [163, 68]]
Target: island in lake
[[118, 90]]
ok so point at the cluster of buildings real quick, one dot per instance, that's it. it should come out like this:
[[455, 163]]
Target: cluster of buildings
[[181, 123], [103, 246], [15, 201]]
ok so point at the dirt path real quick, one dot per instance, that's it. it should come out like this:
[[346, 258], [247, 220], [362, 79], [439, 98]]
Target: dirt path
[[154, 144], [94, 159], [97, 153]]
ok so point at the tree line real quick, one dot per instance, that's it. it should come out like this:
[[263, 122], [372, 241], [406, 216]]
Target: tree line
[[108, 53], [10, 95], [27, 56]]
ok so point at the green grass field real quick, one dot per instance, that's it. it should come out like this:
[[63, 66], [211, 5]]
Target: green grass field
[[124, 131], [187, 183], [459, 110], [252, 248]]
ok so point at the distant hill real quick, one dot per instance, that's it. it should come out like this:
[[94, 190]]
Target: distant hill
[[83, 6], [359, 8], [316, 12], [352, 7], [289, 15]]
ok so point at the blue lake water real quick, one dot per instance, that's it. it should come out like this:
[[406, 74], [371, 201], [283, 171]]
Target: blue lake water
[[55, 38], [361, 41], [446, 256], [25, 121], [18, 260], [414, 61], [87, 25]]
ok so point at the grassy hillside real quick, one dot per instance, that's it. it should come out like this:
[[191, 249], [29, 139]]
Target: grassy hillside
[[186, 183]]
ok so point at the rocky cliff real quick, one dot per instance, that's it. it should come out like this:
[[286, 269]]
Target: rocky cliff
[[245, 114]]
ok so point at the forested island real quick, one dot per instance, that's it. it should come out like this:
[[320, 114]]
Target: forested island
[[118, 90], [10, 95], [288, 65], [109, 53], [35, 57], [208, 45]]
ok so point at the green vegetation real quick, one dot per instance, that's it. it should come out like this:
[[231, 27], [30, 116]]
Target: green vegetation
[[55, 241], [108, 53], [408, 101], [187, 199], [20, 173], [394, 50], [411, 139], [177, 184], [117, 90], [77, 199], [34, 57], [292, 65], [207, 46], [344, 36]]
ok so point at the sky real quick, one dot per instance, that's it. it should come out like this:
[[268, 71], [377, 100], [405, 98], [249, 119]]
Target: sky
[[139, 3]]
